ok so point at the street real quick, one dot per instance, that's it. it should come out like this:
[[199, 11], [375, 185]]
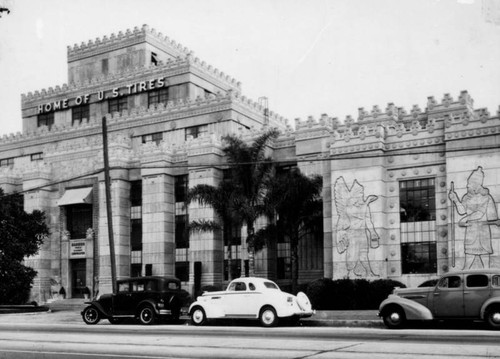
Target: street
[[39, 340]]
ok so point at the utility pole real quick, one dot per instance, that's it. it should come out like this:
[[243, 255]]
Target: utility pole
[[107, 184]]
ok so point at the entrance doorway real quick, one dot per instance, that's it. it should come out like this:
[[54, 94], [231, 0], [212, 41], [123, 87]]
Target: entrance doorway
[[78, 274]]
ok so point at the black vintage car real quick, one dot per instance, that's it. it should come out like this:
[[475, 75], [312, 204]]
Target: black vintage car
[[146, 298]]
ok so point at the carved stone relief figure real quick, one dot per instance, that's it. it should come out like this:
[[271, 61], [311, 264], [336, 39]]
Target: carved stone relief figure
[[480, 213], [356, 233]]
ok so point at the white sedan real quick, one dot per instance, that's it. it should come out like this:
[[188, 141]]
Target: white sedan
[[250, 298]]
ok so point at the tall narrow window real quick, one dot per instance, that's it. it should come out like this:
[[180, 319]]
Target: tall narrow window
[[104, 66], [181, 188], [181, 232], [46, 119], [118, 104], [79, 220], [417, 202], [182, 271], [79, 113], [135, 228]]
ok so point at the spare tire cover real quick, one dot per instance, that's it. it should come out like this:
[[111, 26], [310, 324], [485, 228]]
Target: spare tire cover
[[303, 302]]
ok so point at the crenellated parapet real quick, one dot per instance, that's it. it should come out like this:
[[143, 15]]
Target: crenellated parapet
[[479, 123], [395, 128], [396, 125], [124, 39], [169, 68], [313, 128], [252, 108], [172, 110]]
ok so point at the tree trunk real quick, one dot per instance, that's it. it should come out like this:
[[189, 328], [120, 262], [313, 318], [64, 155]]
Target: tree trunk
[[229, 263], [251, 250], [294, 252]]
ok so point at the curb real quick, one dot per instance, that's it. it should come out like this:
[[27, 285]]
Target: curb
[[344, 323]]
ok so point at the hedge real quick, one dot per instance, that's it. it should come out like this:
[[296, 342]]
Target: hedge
[[348, 294]]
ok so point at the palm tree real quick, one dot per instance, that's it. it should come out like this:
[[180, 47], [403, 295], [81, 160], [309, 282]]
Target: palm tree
[[219, 198], [296, 200], [250, 170]]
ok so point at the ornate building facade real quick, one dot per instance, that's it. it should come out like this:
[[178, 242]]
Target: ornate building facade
[[406, 196]]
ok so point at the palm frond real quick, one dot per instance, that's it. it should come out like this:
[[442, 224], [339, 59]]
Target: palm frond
[[203, 225]]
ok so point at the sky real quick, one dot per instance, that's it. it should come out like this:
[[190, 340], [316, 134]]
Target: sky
[[308, 57]]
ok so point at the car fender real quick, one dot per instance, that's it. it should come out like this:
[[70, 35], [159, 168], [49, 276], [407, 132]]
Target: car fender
[[99, 307], [211, 311], [494, 300], [148, 302], [412, 309]]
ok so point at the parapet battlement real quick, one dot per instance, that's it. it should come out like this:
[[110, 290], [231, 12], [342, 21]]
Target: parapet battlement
[[394, 114], [126, 38], [127, 73]]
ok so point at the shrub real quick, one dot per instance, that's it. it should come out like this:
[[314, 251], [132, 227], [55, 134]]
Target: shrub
[[349, 294]]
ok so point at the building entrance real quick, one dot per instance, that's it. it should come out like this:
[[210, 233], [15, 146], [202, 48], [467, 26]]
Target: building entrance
[[78, 274]]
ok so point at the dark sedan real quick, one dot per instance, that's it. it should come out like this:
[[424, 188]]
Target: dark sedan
[[147, 299]]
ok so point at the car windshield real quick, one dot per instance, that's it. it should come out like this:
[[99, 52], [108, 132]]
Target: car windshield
[[270, 285]]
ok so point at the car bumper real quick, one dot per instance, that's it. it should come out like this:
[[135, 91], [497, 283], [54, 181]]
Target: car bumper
[[183, 311], [306, 314], [297, 313]]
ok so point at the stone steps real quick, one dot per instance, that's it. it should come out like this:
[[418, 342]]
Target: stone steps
[[73, 304]]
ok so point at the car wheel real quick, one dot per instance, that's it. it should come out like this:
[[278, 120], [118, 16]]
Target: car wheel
[[268, 317], [91, 315], [115, 320], [147, 315], [394, 317], [493, 317], [198, 316]]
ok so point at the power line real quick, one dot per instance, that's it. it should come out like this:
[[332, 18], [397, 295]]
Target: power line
[[371, 153]]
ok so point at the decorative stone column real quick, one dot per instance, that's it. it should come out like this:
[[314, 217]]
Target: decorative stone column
[[120, 156], [205, 247], [120, 207], [158, 209], [38, 196]]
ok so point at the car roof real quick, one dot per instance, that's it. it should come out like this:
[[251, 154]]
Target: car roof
[[252, 279]]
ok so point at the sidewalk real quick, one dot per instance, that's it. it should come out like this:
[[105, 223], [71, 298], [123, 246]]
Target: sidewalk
[[69, 312]]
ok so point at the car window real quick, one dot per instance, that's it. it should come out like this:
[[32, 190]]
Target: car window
[[495, 281], [450, 282], [270, 285], [477, 280], [173, 285], [150, 286], [251, 286], [123, 287], [137, 287], [237, 286]]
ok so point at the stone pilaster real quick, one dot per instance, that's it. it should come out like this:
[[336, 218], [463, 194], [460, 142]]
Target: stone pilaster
[[120, 200], [158, 220], [205, 247], [39, 197]]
